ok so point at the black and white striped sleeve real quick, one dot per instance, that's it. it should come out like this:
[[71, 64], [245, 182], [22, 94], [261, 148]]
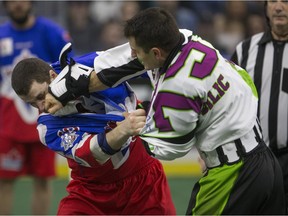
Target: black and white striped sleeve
[[116, 65]]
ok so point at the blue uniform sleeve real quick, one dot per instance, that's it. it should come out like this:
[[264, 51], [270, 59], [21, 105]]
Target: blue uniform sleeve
[[56, 37], [87, 59], [62, 133]]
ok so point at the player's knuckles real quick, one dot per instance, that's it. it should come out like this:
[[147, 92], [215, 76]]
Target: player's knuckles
[[51, 111], [137, 112], [141, 112], [126, 114], [54, 108], [132, 119], [47, 106]]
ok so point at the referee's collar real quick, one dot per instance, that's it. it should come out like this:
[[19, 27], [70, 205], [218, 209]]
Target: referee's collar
[[267, 37]]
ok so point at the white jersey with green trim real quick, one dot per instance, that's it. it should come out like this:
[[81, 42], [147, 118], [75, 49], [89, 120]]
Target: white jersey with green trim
[[201, 99]]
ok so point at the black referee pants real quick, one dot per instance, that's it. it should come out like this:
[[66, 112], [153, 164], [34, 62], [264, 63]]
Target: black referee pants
[[283, 161]]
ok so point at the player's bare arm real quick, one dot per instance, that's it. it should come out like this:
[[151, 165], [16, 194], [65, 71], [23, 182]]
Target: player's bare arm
[[108, 71], [112, 142], [131, 126], [95, 83]]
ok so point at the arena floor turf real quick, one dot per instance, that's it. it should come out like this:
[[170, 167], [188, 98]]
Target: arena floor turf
[[180, 188]]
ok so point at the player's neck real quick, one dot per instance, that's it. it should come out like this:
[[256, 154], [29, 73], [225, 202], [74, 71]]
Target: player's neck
[[280, 35], [28, 24]]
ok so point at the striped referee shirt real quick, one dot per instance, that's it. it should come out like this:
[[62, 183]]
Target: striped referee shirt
[[266, 60]]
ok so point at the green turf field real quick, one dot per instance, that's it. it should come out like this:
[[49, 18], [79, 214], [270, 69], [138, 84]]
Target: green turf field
[[180, 189]]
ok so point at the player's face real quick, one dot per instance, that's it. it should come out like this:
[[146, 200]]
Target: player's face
[[277, 12], [36, 95], [149, 60], [19, 11]]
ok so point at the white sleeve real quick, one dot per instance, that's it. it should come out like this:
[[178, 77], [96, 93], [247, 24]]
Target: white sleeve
[[163, 150]]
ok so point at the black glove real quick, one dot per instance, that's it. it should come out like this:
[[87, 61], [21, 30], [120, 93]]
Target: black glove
[[71, 83]]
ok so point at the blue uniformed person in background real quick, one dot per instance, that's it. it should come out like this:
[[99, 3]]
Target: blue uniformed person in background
[[24, 36]]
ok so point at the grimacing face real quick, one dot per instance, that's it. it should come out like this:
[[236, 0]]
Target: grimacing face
[[36, 95], [148, 60]]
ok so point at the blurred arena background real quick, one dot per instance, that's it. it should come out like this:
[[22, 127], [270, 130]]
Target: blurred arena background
[[96, 25]]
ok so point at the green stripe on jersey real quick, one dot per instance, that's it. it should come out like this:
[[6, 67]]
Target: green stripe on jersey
[[213, 195], [249, 81]]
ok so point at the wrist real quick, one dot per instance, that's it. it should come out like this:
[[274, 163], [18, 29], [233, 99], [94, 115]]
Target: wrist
[[106, 148]]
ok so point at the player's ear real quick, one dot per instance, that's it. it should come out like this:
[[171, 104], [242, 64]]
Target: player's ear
[[156, 52], [52, 74]]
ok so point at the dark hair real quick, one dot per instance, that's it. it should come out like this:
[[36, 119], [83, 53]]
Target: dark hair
[[266, 15], [27, 71], [153, 27]]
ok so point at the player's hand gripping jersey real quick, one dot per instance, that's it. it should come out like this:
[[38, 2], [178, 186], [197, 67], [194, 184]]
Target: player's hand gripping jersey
[[73, 133], [209, 94], [104, 182], [200, 99]]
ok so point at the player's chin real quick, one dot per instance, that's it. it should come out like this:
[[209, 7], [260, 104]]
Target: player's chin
[[148, 67], [43, 111]]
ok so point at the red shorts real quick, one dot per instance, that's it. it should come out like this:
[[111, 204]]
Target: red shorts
[[33, 159], [143, 193]]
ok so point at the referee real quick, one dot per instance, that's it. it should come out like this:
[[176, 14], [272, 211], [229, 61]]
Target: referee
[[265, 57]]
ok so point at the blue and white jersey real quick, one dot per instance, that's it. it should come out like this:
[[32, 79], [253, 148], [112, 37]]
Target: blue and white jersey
[[118, 99], [70, 131], [70, 135]]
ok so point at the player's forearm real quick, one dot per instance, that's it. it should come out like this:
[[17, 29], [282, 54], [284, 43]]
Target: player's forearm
[[116, 138], [104, 145], [111, 68], [116, 65], [95, 83]]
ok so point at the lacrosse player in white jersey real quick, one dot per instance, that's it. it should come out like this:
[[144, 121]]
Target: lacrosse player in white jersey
[[200, 99]]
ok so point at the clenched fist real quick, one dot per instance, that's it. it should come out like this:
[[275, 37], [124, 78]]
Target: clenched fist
[[52, 105]]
